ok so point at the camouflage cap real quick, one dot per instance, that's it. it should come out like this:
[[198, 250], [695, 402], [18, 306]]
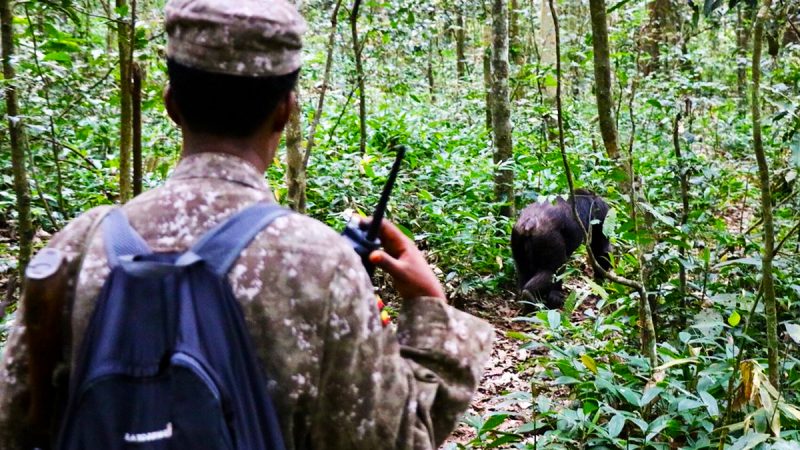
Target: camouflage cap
[[235, 37]]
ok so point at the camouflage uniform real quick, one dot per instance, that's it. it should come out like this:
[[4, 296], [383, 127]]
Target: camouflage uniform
[[340, 379]]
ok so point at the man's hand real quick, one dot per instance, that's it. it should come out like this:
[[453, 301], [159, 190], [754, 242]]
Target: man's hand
[[401, 259]]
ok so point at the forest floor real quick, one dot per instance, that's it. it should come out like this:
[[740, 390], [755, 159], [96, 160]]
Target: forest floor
[[509, 371]]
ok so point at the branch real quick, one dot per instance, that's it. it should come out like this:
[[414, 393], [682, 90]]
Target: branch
[[325, 80]]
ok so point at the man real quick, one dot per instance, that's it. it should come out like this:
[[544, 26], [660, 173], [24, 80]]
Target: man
[[339, 379]]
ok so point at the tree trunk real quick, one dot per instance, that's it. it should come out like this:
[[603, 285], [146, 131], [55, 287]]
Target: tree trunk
[[430, 76], [742, 38], [516, 50], [17, 136], [136, 109], [602, 78], [501, 111], [461, 36], [362, 102], [487, 83], [53, 135], [326, 77], [661, 29], [125, 101], [295, 173], [767, 281], [684, 182], [547, 46]]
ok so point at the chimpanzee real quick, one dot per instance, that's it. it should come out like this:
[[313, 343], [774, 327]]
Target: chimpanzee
[[546, 234]]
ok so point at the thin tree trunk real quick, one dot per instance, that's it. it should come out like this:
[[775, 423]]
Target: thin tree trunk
[[684, 181], [660, 30], [136, 109], [741, 52], [295, 173], [501, 111], [602, 77], [17, 136], [648, 335], [52, 128], [766, 202], [325, 81], [461, 37], [362, 101], [106, 5], [547, 47], [514, 34], [487, 84], [431, 79], [126, 110]]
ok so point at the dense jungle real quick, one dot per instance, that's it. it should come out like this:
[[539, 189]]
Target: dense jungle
[[684, 116]]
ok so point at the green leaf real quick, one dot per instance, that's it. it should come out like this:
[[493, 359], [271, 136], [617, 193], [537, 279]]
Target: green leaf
[[617, 6], [610, 224], [58, 56], [748, 441], [589, 363], [688, 404], [405, 231], [650, 394], [711, 403], [734, 319], [493, 422], [793, 330], [676, 362], [615, 425], [554, 319], [506, 438], [656, 426], [632, 397]]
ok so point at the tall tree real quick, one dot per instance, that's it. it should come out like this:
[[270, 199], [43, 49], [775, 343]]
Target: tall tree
[[501, 111], [17, 136], [661, 29], [295, 175], [326, 77], [362, 99], [136, 126], [767, 281], [125, 29], [461, 37], [547, 45], [602, 77], [487, 84], [515, 49], [742, 41]]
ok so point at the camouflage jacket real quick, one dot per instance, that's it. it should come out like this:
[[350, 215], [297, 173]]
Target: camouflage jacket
[[340, 379]]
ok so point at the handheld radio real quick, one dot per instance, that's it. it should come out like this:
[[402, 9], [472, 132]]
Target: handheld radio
[[366, 241]]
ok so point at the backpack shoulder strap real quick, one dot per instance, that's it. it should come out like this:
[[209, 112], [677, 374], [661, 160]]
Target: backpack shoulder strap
[[120, 239], [220, 247]]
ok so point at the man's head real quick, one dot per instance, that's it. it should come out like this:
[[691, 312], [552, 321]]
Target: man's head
[[225, 105], [232, 66]]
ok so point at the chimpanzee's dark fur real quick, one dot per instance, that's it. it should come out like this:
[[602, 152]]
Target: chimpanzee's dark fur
[[545, 235]]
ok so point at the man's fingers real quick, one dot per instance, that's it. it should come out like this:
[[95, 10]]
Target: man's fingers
[[386, 262], [392, 238]]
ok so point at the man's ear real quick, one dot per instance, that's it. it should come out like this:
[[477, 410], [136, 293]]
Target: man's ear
[[282, 112], [172, 106]]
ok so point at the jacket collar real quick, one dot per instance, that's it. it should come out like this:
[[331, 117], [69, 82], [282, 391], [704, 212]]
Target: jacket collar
[[221, 166]]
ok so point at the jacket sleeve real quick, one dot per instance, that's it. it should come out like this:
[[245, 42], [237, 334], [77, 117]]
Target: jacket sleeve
[[14, 367], [403, 389]]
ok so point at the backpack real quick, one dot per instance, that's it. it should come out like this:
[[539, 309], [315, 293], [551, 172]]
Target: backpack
[[166, 361]]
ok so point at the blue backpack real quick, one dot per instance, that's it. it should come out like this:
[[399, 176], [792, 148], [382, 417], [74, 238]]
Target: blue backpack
[[167, 362]]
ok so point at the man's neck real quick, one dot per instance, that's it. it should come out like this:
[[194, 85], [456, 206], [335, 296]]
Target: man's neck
[[250, 149]]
